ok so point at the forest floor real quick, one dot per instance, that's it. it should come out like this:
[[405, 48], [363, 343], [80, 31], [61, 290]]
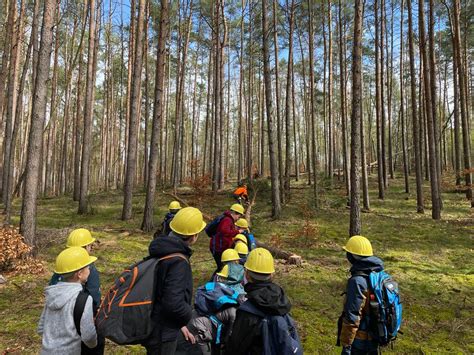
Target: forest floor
[[431, 260]]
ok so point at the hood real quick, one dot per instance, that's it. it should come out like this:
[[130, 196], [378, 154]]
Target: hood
[[268, 297], [57, 296], [370, 263], [170, 244], [228, 214]]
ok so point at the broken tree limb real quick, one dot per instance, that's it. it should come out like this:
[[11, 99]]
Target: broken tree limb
[[185, 204], [277, 253]]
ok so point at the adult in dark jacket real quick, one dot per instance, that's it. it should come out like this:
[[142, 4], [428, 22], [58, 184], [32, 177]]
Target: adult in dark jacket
[[165, 229], [355, 335], [225, 233], [265, 295], [174, 282]]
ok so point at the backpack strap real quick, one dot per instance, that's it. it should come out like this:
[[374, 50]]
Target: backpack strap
[[79, 310], [174, 255]]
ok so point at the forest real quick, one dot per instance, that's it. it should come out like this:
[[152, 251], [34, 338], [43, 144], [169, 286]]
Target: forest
[[343, 118]]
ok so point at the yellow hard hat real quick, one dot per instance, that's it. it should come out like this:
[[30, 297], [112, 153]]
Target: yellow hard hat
[[73, 259], [224, 272], [242, 223], [260, 260], [237, 207], [240, 237], [188, 221], [79, 238], [359, 245], [174, 205], [229, 255], [241, 248]]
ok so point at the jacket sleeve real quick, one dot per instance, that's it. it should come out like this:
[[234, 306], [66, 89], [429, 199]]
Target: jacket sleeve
[[41, 322], [355, 300], [173, 301], [93, 285], [244, 333], [88, 332]]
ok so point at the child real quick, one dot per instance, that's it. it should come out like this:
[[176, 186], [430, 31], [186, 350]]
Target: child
[[244, 226], [241, 194], [83, 238], [266, 302], [61, 334], [165, 229], [242, 250]]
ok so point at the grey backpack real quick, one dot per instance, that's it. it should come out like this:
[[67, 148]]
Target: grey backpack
[[124, 315]]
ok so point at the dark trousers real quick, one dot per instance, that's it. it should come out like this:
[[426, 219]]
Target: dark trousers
[[217, 258], [355, 351], [155, 346]]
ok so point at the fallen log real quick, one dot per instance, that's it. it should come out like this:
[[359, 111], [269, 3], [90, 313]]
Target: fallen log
[[278, 253]]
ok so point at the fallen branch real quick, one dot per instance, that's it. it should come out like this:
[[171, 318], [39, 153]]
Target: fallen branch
[[183, 202], [282, 254]]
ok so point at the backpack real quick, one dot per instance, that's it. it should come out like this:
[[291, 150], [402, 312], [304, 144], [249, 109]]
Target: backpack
[[212, 298], [211, 228], [385, 307], [252, 243], [124, 316], [279, 334]]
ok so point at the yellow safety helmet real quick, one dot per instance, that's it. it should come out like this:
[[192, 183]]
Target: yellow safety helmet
[[242, 223], [73, 259], [224, 272], [174, 205], [188, 221], [241, 248], [241, 237], [229, 255], [237, 207], [260, 260], [359, 245], [79, 238]]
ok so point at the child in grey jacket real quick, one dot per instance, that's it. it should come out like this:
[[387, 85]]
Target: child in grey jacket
[[56, 324]]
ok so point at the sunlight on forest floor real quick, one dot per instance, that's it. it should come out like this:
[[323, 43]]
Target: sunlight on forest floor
[[432, 260]]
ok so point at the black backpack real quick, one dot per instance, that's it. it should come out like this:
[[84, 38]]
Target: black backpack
[[211, 228], [124, 316]]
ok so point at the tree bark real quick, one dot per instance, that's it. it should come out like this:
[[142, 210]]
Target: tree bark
[[276, 206], [355, 223], [402, 107], [134, 113], [147, 223], [30, 192]]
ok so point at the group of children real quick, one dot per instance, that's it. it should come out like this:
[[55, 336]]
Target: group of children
[[239, 311]]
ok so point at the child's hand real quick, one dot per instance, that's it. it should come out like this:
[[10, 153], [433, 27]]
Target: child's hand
[[188, 335]]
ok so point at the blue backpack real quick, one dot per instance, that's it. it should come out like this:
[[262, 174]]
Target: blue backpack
[[279, 334], [252, 243], [211, 228], [212, 298], [385, 307]]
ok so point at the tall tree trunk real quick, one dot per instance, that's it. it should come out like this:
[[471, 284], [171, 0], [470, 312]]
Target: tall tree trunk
[[88, 113], [402, 107], [435, 196], [342, 59], [330, 98], [134, 109], [355, 223], [277, 99], [276, 207], [463, 103], [288, 99], [312, 108], [378, 104], [30, 192], [147, 223]]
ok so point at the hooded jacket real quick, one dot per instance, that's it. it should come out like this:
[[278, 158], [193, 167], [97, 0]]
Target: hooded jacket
[[246, 336], [92, 286], [225, 233], [56, 324], [355, 321], [174, 286]]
